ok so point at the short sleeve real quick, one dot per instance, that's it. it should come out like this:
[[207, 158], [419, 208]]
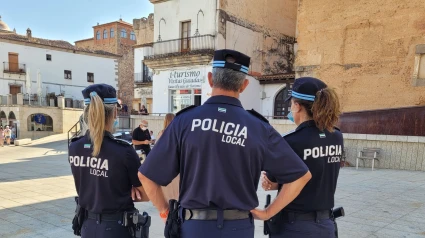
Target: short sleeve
[[281, 163], [162, 164], [132, 163], [135, 134]]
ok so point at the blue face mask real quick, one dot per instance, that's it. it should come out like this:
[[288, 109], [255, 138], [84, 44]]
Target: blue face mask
[[115, 123], [291, 117]]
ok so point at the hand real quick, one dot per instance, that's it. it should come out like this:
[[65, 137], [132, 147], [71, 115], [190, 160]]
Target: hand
[[135, 194], [146, 142], [260, 214], [267, 184]]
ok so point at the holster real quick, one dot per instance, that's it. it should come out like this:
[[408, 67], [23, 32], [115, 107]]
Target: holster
[[80, 216], [173, 223], [273, 225]]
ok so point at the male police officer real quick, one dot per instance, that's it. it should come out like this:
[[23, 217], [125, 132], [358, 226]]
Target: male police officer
[[219, 149]]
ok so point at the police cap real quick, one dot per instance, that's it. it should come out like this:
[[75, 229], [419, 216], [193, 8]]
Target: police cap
[[231, 59], [306, 88], [106, 92]]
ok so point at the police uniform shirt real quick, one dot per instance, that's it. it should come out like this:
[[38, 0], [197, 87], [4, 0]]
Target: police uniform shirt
[[104, 183], [219, 149], [141, 135], [321, 152]]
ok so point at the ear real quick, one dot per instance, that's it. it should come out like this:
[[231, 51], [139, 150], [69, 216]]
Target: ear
[[244, 85], [210, 81], [296, 107]]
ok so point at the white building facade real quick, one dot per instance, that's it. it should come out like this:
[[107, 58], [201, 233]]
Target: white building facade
[[186, 34]]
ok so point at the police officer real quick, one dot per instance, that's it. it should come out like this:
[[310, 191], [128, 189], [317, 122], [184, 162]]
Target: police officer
[[220, 149], [315, 110], [104, 168]]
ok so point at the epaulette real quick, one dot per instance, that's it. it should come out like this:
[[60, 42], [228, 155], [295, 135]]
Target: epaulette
[[75, 138], [122, 142], [288, 133], [258, 115], [185, 109]]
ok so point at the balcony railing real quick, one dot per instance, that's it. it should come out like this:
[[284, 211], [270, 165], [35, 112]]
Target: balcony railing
[[143, 78], [14, 68], [182, 46]]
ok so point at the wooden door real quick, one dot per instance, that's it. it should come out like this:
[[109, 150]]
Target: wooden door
[[13, 62], [14, 89], [185, 36]]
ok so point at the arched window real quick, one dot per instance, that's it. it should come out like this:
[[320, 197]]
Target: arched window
[[98, 35], [281, 108], [3, 115], [12, 116], [40, 122], [132, 36], [105, 34], [112, 32], [123, 33]]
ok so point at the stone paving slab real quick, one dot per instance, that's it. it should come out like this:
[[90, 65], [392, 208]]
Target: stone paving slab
[[37, 190]]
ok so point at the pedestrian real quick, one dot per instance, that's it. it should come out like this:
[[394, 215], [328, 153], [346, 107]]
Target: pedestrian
[[315, 109], [219, 149], [167, 121], [104, 168], [1, 137], [8, 135], [143, 110], [152, 137], [141, 138]]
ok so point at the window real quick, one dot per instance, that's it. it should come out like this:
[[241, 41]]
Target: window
[[112, 32], [105, 34], [132, 36], [183, 98], [98, 35], [281, 108], [40, 122], [68, 74], [123, 33], [13, 62], [185, 36], [48, 57], [90, 77]]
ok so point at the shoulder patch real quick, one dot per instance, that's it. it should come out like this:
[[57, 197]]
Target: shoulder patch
[[257, 115], [185, 109], [288, 133], [75, 138]]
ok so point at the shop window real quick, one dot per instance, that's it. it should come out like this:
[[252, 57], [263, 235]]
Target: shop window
[[281, 108], [183, 98], [40, 122]]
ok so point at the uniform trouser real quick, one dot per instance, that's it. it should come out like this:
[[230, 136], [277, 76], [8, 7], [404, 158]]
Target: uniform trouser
[[324, 228], [104, 229], [218, 229]]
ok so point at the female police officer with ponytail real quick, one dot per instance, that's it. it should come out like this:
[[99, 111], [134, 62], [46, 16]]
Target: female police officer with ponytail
[[315, 110], [104, 168]]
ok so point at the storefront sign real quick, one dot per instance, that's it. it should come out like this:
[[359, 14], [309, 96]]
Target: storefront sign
[[186, 79]]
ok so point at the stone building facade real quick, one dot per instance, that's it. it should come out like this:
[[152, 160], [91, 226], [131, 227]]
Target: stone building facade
[[144, 28], [372, 52], [116, 37]]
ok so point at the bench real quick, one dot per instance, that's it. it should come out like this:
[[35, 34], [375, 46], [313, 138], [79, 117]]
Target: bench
[[22, 141], [369, 154]]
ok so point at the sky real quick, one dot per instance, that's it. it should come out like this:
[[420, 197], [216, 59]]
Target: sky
[[69, 20]]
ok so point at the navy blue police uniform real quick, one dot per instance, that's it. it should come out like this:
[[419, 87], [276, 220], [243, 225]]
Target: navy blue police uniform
[[104, 183], [220, 149], [309, 215]]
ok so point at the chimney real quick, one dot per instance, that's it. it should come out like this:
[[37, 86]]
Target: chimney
[[29, 34], [14, 30]]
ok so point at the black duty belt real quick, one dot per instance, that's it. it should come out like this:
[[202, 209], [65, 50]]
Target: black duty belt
[[105, 216], [310, 216], [201, 214]]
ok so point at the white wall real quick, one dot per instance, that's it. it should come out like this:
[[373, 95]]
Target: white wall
[[250, 98], [176, 11], [267, 104], [52, 72]]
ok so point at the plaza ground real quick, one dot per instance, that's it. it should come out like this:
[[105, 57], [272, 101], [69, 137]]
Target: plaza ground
[[37, 197]]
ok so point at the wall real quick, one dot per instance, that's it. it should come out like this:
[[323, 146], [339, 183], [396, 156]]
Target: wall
[[52, 72], [85, 44], [274, 15], [267, 104], [365, 49], [144, 29], [126, 76], [174, 12]]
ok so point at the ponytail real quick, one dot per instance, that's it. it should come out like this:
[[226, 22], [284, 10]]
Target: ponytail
[[326, 109], [96, 122]]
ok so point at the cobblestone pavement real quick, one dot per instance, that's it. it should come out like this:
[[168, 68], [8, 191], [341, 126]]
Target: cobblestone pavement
[[37, 190]]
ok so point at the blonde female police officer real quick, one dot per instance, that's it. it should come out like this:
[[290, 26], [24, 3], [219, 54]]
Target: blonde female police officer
[[315, 110], [220, 149], [104, 168]]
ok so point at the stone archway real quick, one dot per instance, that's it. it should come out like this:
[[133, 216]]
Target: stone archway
[[12, 116], [3, 118]]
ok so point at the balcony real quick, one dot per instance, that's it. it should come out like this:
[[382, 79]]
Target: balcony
[[143, 78], [14, 68], [196, 50]]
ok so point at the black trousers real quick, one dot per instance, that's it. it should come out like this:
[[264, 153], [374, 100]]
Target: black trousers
[[306, 229], [105, 229]]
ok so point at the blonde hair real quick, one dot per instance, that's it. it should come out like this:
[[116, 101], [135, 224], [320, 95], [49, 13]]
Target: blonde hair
[[167, 120], [97, 116]]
